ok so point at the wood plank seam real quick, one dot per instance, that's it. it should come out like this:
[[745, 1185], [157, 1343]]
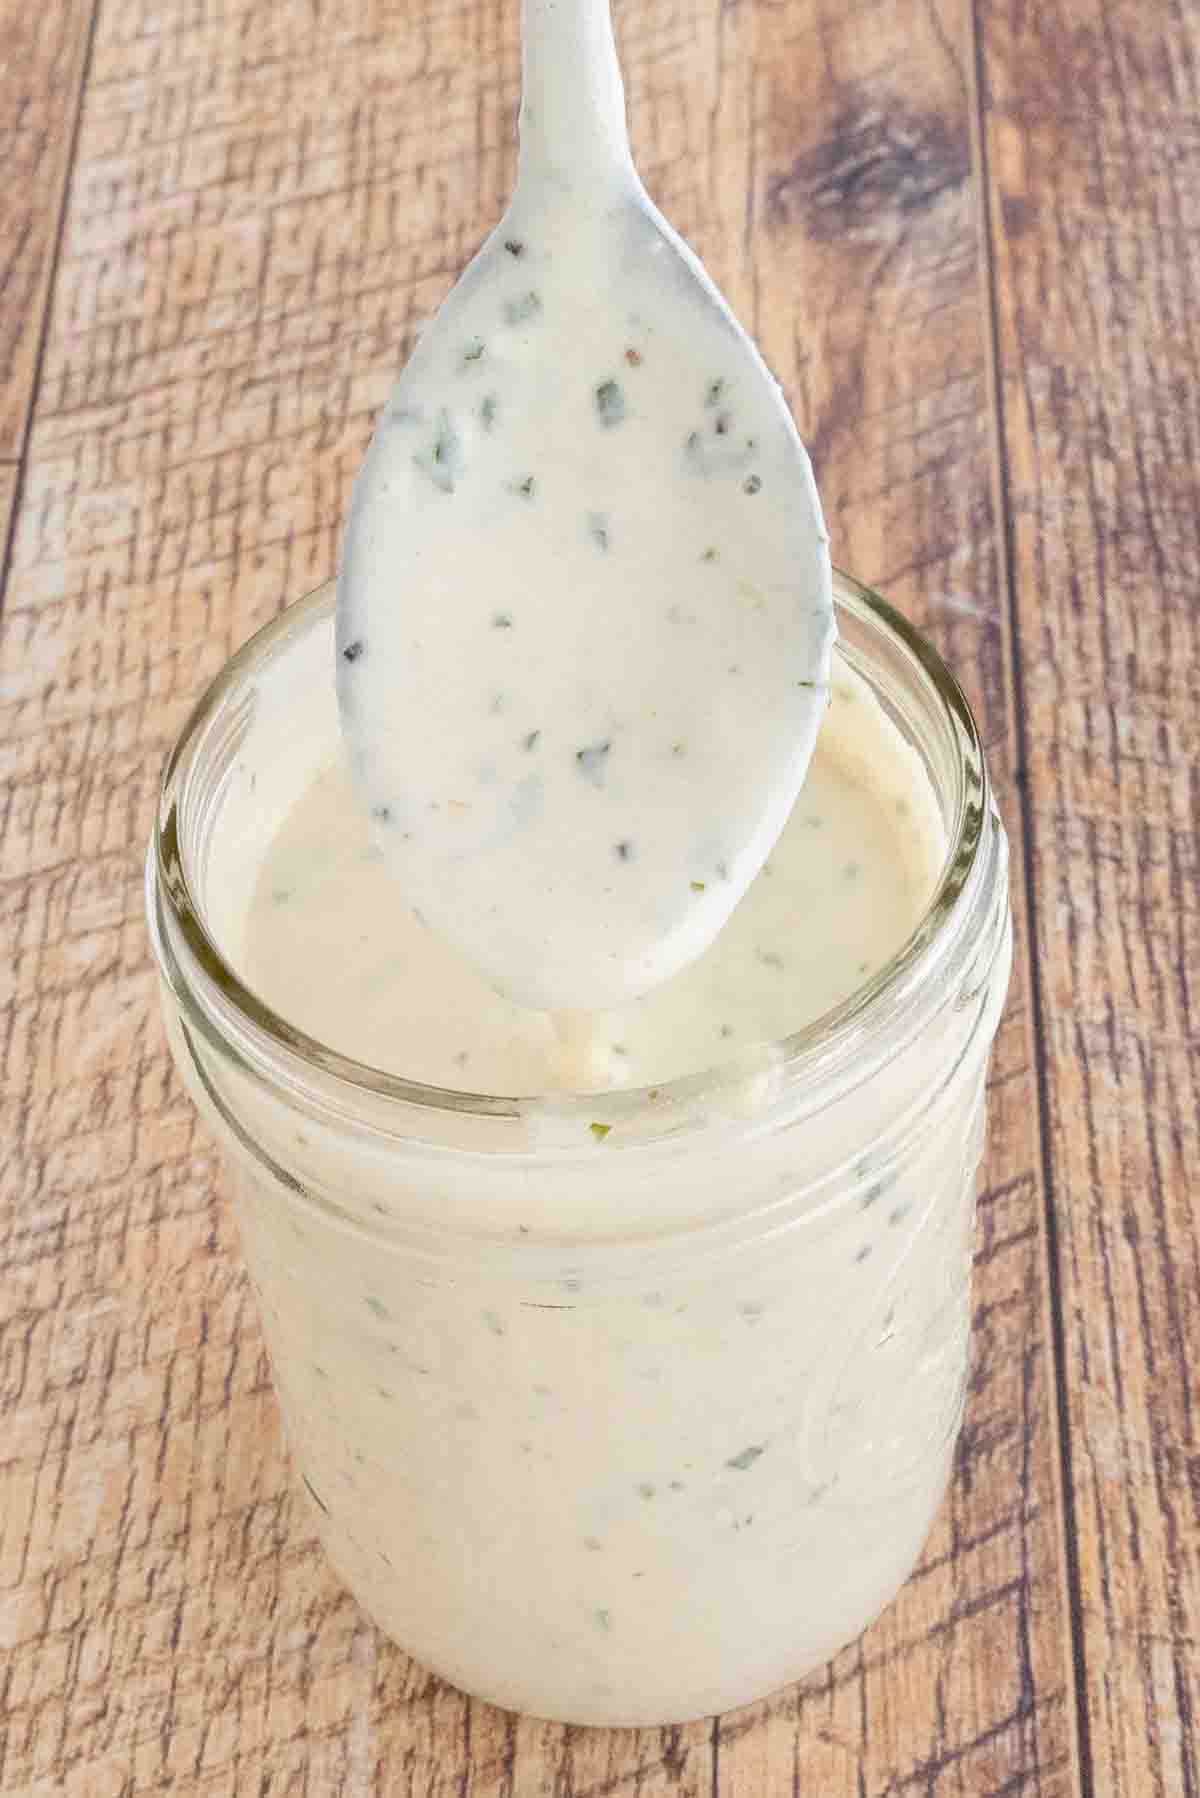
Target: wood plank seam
[[1071, 1578], [72, 126]]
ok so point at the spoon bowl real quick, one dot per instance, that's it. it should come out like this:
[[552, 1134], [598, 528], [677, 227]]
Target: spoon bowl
[[585, 608]]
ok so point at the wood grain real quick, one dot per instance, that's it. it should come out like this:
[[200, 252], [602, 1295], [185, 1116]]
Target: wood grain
[[43, 51], [265, 204], [1094, 166]]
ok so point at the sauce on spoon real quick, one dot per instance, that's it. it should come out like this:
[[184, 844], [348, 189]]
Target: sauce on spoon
[[584, 610]]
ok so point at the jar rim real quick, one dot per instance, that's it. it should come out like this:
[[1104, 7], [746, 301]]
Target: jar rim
[[815, 1050]]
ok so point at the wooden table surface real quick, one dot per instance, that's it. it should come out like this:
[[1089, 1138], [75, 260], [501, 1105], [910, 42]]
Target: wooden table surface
[[969, 244]]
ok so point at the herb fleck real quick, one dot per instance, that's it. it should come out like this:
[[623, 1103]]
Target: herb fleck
[[646, 1489], [747, 1458], [353, 650], [624, 851], [281, 895], [444, 462], [727, 1031], [532, 740], [604, 1619], [378, 1307], [634, 358], [751, 484], [524, 487], [862, 1254], [514, 246], [710, 555], [720, 423], [591, 760], [697, 886], [381, 813], [487, 411], [502, 621], [713, 392], [493, 1323], [598, 526], [519, 312], [593, 1543], [474, 350], [852, 870], [610, 404], [770, 958], [898, 1215], [599, 1131]]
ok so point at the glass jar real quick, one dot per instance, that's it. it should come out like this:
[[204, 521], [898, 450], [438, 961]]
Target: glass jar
[[622, 1409]]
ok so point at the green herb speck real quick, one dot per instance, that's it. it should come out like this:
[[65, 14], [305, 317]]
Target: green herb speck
[[525, 487], [591, 759], [514, 246], [353, 650], [502, 621], [604, 1619], [624, 851], [721, 424], [532, 740], [610, 404], [599, 1131], [862, 1254], [698, 886], [474, 350], [747, 1458], [487, 411], [281, 895], [646, 1489], [770, 958], [752, 483], [852, 870], [598, 529], [493, 1323], [710, 555], [378, 1307], [594, 1544], [519, 312], [713, 392]]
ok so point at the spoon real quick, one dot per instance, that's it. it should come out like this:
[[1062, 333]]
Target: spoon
[[584, 613]]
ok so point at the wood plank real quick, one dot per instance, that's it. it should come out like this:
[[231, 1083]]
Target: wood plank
[[1094, 162], [42, 55], [267, 202]]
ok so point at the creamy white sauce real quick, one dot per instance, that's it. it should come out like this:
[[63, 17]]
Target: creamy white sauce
[[329, 947], [624, 1493], [584, 609]]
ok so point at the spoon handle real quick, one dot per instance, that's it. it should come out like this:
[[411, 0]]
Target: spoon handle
[[572, 98]]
